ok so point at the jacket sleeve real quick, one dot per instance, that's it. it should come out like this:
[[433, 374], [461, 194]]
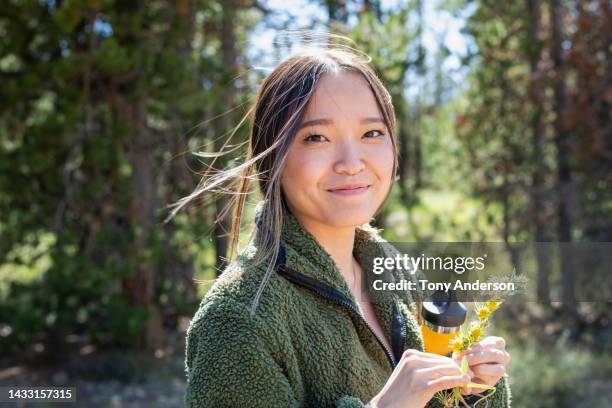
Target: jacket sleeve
[[502, 396], [229, 364]]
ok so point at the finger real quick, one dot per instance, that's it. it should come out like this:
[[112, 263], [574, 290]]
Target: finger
[[433, 356], [419, 353], [440, 371], [492, 382], [493, 342], [485, 356], [430, 366], [479, 380], [488, 343], [446, 382], [417, 358], [468, 390], [494, 371], [458, 356]]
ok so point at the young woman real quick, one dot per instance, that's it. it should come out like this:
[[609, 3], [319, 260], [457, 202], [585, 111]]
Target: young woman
[[290, 323]]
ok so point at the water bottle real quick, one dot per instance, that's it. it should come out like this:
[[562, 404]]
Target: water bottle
[[442, 318]]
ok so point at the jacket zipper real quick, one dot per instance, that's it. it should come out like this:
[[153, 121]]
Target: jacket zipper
[[398, 339], [333, 295]]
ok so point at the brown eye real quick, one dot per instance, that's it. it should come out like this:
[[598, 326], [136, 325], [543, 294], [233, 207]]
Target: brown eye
[[373, 134], [314, 138]]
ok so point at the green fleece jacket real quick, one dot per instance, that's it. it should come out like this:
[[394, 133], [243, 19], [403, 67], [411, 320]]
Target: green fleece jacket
[[307, 345]]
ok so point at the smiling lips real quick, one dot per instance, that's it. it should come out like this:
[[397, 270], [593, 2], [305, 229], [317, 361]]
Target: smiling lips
[[350, 189]]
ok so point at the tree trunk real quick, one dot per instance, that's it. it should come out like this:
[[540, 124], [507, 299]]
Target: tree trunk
[[139, 288], [512, 249], [537, 178], [564, 175]]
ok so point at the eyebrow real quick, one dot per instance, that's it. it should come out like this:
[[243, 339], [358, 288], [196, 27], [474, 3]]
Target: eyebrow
[[325, 121]]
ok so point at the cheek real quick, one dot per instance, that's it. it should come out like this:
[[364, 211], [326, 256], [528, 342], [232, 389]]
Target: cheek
[[382, 160], [301, 173]]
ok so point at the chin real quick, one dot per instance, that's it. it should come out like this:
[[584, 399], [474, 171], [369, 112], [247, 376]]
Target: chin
[[350, 217]]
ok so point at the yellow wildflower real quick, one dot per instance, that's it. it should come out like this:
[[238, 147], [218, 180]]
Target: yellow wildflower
[[483, 313], [465, 339], [476, 332], [456, 344]]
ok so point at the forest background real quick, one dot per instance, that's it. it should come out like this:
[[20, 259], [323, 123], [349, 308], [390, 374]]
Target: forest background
[[504, 135]]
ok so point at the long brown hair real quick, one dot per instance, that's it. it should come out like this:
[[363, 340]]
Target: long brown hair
[[274, 120]]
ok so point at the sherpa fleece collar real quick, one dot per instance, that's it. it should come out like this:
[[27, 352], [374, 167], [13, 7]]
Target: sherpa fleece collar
[[304, 254]]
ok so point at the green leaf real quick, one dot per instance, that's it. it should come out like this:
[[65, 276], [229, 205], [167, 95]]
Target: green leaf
[[464, 365], [481, 386]]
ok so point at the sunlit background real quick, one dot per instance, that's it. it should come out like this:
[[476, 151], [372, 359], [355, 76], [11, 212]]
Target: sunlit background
[[503, 124]]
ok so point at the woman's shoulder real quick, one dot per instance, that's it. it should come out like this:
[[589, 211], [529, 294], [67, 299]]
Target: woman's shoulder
[[225, 311], [232, 293]]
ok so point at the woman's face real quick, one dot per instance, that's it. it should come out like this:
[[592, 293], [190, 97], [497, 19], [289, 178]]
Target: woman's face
[[339, 167]]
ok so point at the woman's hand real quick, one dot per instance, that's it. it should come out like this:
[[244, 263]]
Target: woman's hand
[[488, 360], [417, 377]]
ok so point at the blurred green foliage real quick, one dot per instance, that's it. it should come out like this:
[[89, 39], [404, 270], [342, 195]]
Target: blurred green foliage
[[559, 376], [101, 103]]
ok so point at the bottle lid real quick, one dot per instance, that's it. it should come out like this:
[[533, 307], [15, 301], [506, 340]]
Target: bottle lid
[[444, 310]]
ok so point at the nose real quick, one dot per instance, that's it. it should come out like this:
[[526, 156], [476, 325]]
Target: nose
[[349, 159]]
